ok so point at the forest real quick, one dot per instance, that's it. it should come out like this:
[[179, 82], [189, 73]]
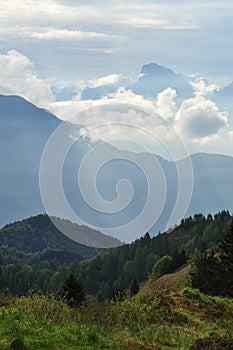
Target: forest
[[36, 256]]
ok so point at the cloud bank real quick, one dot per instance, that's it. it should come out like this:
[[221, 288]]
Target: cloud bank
[[198, 120]]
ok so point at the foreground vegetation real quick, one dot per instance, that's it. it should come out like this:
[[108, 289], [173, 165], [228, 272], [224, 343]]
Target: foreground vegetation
[[166, 313], [177, 320]]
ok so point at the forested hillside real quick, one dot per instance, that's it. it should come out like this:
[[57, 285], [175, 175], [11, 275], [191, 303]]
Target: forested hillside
[[39, 258]]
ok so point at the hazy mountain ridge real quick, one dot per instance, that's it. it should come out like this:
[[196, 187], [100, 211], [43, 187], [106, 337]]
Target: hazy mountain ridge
[[23, 124]]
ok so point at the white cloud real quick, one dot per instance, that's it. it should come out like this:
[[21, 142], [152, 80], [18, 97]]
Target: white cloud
[[43, 11], [150, 22], [166, 107], [202, 88], [200, 119], [19, 78], [107, 80], [14, 63], [63, 34], [66, 109]]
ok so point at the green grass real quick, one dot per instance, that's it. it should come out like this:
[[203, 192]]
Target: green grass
[[159, 321]]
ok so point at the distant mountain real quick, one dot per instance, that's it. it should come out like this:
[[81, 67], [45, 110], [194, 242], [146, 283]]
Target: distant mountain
[[155, 78], [98, 92], [24, 132]]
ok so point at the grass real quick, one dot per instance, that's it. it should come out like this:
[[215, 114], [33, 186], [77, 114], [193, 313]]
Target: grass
[[173, 281], [159, 321]]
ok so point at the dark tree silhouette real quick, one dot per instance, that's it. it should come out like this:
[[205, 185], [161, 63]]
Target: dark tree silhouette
[[179, 259], [213, 270], [73, 291], [134, 287]]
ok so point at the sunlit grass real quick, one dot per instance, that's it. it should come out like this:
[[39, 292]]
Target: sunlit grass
[[156, 321]]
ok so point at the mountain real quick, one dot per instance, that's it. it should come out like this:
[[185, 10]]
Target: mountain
[[155, 78], [98, 92], [24, 131], [37, 239]]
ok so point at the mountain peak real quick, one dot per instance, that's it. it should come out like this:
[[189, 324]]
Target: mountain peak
[[154, 69]]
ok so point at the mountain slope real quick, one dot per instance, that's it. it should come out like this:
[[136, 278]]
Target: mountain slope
[[38, 235], [24, 131]]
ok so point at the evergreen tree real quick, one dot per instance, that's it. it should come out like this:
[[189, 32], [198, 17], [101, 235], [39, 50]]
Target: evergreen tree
[[213, 270], [134, 287], [179, 259], [73, 291]]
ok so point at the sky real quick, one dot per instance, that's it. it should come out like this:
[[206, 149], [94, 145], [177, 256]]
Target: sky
[[48, 45], [83, 39]]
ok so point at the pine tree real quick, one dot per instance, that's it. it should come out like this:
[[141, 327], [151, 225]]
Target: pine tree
[[213, 270], [179, 258], [134, 287], [73, 291]]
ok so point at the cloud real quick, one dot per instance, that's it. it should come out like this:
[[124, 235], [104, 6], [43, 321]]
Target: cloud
[[200, 118], [110, 79], [19, 78], [66, 109], [14, 63], [203, 88], [166, 107], [146, 22], [64, 34]]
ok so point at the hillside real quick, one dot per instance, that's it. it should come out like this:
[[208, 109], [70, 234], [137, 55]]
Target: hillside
[[171, 282], [37, 239], [113, 268]]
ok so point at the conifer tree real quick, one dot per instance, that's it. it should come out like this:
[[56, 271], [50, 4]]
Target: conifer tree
[[73, 291], [134, 287], [213, 270]]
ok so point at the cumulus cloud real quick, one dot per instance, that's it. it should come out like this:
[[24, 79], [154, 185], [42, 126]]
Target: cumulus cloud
[[200, 118], [166, 107], [203, 88], [19, 78]]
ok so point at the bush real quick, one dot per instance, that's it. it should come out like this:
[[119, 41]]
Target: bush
[[161, 267]]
